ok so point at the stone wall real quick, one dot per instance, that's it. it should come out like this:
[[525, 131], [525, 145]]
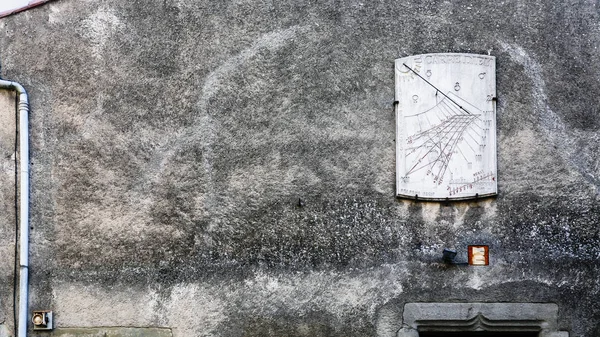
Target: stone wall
[[227, 168]]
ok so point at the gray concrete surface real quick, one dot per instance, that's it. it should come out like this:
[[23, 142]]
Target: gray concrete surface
[[7, 206], [226, 168]]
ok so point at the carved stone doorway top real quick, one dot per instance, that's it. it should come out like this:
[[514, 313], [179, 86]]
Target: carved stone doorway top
[[477, 334], [432, 319]]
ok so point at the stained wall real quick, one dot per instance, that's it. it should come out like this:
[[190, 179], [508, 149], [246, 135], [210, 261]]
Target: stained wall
[[227, 168]]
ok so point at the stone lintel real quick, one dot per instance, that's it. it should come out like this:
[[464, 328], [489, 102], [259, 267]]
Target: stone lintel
[[518, 317]]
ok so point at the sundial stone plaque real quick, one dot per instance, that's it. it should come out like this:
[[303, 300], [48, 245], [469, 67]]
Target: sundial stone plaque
[[446, 126]]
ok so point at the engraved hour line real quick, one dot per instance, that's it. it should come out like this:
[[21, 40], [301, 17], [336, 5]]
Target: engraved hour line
[[413, 139], [421, 77], [445, 157], [450, 108], [449, 122], [475, 140], [447, 107], [426, 132], [423, 112], [476, 131], [438, 113], [477, 125], [451, 152], [457, 127], [449, 156], [446, 110], [466, 102], [436, 126], [435, 144], [443, 125], [466, 159], [472, 149]]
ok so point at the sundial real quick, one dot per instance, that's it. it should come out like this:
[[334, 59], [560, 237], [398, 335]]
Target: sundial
[[446, 126]]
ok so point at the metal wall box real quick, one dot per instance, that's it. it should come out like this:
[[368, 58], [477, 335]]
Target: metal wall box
[[42, 320]]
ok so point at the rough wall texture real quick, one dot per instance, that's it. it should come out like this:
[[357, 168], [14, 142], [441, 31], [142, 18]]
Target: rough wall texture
[[8, 149], [226, 168]]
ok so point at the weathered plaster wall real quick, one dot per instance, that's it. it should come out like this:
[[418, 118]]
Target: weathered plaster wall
[[226, 168], [7, 205]]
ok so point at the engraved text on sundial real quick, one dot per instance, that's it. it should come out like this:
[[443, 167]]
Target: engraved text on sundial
[[446, 126]]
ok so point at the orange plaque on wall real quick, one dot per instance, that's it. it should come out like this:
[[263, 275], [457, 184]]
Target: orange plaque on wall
[[479, 255]]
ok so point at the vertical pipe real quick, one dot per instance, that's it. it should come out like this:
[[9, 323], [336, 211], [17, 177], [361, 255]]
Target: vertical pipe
[[24, 203], [24, 227]]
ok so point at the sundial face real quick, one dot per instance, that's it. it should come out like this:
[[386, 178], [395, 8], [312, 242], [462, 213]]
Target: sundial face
[[446, 126]]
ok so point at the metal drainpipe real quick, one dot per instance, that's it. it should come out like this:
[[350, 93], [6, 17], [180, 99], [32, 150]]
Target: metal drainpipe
[[24, 204]]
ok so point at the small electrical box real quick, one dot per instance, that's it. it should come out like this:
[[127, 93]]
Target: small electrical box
[[42, 320]]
